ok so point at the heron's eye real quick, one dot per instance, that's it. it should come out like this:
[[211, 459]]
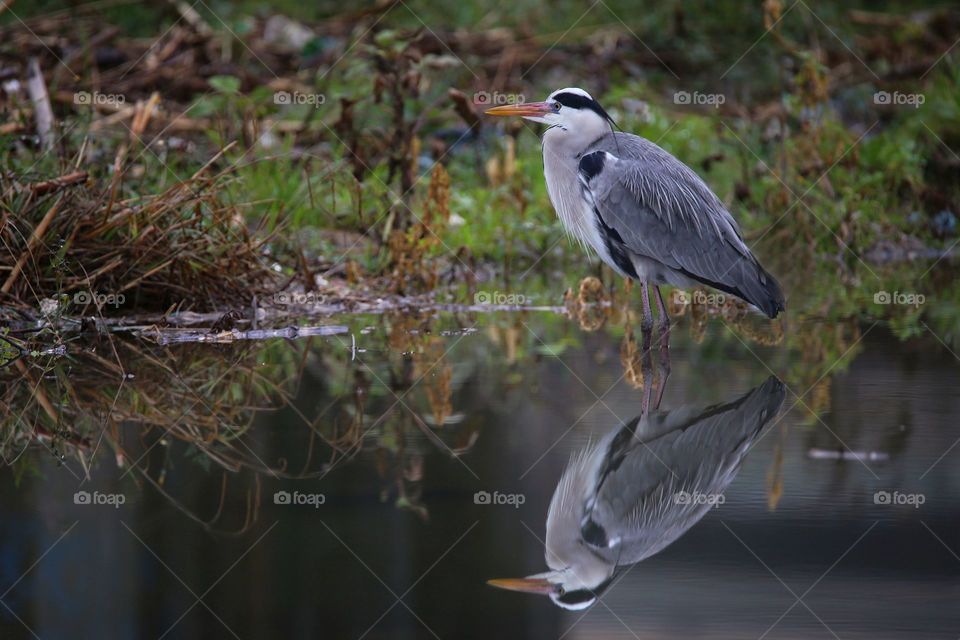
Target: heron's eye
[[556, 106]]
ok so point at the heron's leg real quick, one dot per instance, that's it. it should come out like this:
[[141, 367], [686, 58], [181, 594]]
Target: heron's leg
[[647, 323], [664, 371], [647, 368], [664, 326], [654, 384]]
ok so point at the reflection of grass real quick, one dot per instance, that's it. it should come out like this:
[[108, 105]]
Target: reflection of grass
[[193, 394], [133, 404]]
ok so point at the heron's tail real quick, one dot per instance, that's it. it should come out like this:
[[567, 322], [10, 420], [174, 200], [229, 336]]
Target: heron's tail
[[746, 279], [766, 295]]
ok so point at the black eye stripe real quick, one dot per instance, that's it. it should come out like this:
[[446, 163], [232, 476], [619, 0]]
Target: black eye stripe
[[579, 596], [574, 100], [576, 597], [577, 101]]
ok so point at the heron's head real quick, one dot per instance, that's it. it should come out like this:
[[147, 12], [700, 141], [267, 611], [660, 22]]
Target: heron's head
[[581, 568], [564, 587], [570, 112]]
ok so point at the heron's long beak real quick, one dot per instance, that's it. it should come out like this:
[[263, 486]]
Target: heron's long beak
[[522, 109], [527, 585]]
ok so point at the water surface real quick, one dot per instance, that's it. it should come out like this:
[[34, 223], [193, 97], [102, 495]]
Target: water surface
[[328, 487]]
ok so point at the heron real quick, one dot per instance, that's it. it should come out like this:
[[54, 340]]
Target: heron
[[644, 212], [639, 488]]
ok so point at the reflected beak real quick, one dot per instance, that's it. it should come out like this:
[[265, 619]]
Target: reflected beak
[[523, 109], [526, 585]]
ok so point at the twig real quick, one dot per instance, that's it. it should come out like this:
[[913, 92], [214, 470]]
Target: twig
[[35, 238], [38, 393], [192, 18], [43, 112], [55, 184], [463, 107], [143, 114]]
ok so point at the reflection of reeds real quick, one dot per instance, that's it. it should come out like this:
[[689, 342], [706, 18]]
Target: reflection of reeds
[[824, 348], [591, 306], [437, 381], [132, 403], [631, 357], [199, 395], [775, 473], [401, 448], [402, 436]]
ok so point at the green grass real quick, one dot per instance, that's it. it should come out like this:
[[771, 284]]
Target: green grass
[[856, 190]]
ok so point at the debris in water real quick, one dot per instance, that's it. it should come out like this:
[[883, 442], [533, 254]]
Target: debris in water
[[837, 454]]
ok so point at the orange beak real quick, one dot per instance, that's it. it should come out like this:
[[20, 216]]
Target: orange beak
[[522, 109], [526, 585]]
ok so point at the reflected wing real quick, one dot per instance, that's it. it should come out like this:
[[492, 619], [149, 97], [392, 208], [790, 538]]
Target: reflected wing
[[637, 506]]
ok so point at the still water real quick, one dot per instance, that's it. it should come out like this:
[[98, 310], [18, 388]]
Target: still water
[[370, 484]]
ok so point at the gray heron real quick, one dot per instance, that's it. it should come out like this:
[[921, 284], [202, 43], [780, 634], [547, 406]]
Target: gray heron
[[639, 488], [646, 214]]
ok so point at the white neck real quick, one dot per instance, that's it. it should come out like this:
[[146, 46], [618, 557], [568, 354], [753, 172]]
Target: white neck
[[562, 147]]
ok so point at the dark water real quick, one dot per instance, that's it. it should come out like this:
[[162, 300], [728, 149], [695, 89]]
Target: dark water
[[387, 435]]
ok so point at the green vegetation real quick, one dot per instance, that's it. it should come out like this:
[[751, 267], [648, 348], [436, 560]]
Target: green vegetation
[[830, 184]]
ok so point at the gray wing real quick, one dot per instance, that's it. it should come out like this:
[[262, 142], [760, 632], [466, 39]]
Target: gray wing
[[635, 510], [661, 210]]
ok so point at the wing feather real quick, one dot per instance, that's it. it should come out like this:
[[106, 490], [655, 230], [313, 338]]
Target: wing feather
[[663, 211], [697, 451]]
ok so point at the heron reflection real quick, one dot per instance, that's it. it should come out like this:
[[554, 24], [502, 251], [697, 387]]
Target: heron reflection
[[639, 488]]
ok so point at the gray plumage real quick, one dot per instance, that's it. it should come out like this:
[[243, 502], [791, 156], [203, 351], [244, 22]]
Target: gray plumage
[[670, 221], [618, 502], [645, 213]]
